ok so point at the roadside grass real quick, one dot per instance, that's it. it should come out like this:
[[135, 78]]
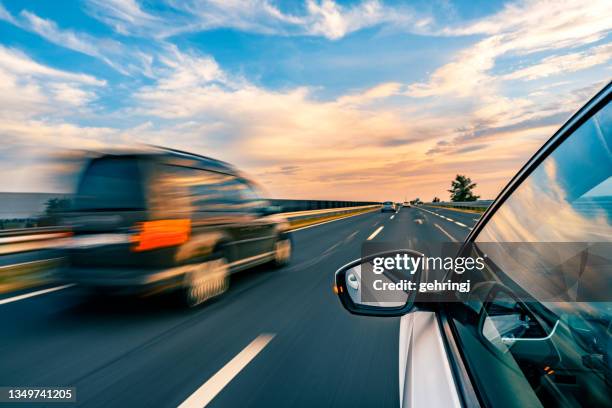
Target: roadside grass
[[26, 275], [471, 211], [312, 221]]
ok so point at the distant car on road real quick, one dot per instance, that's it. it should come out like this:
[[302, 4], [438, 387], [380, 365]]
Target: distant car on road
[[169, 220], [387, 206], [406, 204]]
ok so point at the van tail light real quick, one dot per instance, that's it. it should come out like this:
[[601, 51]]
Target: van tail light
[[160, 233]]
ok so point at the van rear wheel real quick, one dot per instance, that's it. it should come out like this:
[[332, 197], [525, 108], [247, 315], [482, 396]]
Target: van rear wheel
[[205, 281]]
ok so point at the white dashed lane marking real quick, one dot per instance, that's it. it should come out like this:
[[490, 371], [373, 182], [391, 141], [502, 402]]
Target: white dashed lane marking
[[209, 390], [445, 233], [375, 233], [32, 294]]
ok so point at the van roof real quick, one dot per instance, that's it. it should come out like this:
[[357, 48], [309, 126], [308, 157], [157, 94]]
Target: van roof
[[178, 158]]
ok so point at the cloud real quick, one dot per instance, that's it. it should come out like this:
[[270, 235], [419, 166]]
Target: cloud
[[28, 88], [123, 15], [321, 18], [445, 147], [564, 63], [328, 19], [520, 28], [539, 25], [380, 91], [111, 52], [471, 78], [37, 101], [467, 75], [17, 62], [6, 16], [304, 147], [366, 143]]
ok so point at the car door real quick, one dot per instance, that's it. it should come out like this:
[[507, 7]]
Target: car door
[[218, 215], [260, 231], [536, 329]]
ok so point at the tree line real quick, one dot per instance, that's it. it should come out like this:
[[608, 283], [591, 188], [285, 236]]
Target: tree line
[[461, 190]]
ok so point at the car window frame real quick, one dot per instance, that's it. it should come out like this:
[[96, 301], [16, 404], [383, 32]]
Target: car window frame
[[594, 105], [466, 384]]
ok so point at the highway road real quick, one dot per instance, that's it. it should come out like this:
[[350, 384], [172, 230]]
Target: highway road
[[276, 338]]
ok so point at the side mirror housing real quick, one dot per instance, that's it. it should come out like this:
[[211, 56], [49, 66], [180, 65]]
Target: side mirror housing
[[364, 290]]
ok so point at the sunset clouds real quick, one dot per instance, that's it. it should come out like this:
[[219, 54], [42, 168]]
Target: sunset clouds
[[252, 83]]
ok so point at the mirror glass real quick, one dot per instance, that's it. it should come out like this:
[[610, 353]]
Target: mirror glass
[[382, 281], [364, 294]]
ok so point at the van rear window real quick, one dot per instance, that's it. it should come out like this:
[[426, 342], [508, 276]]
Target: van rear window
[[111, 184]]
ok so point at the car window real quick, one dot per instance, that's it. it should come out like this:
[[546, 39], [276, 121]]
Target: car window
[[169, 189], [543, 336], [214, 192], [195, 189], [249, 196], [111, 184]]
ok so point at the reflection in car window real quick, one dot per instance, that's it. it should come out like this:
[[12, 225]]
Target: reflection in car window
[[567, 199], [214, 192], [207, 191], [219, 192]]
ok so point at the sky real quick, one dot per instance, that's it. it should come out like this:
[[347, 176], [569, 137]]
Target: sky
[[315, 99]]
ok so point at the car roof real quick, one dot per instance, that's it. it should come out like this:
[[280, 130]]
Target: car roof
[[176, 157]]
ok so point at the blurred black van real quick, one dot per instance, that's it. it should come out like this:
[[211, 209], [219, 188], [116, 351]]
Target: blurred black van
[[164, 220]]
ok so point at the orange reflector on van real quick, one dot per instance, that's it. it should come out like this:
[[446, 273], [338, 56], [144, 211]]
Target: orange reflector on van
[[161, 233]]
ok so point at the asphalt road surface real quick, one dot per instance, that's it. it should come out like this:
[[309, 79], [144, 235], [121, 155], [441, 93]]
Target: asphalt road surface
[[276, 338]]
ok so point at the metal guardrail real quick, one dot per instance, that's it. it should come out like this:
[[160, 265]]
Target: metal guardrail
[[467, 205], [30, 239], [306, 205], [38, 238]]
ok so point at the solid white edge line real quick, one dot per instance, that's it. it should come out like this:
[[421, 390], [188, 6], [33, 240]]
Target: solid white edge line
[[375, 233], [30, 263], [445, 233], [215, 384], [32, 294], [327, 222]]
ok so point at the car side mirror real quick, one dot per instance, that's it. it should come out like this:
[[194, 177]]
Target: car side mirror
[[379, 284]]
